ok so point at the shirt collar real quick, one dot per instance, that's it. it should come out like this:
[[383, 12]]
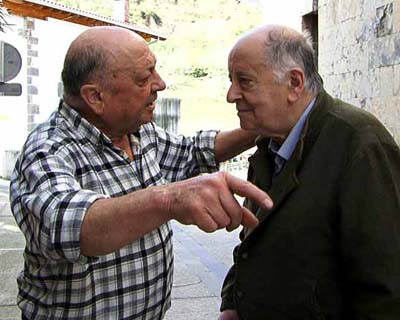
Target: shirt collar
[[286, 149], [83, 127]]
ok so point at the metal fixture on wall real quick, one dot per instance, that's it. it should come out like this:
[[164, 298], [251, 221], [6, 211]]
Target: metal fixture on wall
[[10, 66]]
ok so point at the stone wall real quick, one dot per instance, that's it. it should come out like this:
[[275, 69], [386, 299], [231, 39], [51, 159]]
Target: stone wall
[[33, 103], [359, 55]]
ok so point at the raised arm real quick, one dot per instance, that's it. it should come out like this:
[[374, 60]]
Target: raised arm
[[206, 201], [231, 143]]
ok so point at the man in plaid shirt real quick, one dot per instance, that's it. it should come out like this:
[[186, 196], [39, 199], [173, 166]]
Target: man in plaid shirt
[[96, 185]]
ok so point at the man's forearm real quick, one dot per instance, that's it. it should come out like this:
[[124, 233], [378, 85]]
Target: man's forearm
[[206, 201], [231, 143], [110, 224]]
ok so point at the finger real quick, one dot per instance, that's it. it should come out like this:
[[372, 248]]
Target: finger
[[249, 220], [232, 208], [206, 223], [246, 189], [216, 209]]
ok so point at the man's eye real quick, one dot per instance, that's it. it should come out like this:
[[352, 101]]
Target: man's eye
[[244, 82], [143, 81]]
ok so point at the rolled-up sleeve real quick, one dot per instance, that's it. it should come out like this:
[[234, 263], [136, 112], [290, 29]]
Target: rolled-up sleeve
[[182, 157], [52, 206]]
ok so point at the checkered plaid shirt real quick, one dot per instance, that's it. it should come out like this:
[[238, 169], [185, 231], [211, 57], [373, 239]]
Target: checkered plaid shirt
[[66, 165]]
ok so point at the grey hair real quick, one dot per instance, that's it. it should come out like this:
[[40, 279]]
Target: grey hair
[[83, 64], [284, 51]]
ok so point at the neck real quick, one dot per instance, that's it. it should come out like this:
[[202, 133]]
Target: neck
[[119, 140]]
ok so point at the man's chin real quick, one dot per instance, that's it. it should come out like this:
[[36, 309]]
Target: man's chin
[[245, 125]]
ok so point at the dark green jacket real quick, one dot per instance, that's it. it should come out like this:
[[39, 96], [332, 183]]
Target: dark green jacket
[[330, 247]]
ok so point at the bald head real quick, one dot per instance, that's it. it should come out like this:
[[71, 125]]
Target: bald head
[[96, 53], [263, 33], [283, 48]]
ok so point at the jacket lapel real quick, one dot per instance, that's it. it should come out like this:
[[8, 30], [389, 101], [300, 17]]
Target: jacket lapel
[[281, 185], [261, 167]]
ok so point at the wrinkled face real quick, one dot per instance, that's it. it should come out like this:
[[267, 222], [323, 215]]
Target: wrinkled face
[[130, 98], [261, 102]]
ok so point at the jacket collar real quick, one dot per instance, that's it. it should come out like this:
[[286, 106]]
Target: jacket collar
[[283, 184]]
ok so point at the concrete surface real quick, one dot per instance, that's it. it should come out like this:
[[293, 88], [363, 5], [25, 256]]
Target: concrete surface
[[201, 262]]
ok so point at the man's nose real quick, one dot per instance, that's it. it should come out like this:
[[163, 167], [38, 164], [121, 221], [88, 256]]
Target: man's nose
[[159, 83], [233, 94]]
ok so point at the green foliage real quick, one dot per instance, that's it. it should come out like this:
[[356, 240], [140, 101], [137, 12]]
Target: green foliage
[[196, 72]]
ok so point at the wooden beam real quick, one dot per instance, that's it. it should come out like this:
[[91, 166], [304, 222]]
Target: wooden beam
[[43, 11]]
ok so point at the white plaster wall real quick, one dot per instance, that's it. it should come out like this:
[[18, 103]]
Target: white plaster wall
[[13, 110], [54, 39]]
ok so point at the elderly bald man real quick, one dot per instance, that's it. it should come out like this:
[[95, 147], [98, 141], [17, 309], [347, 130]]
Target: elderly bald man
[[97, 183], [330, 246]]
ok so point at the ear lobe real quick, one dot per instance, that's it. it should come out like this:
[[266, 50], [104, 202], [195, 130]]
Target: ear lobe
[[296, 84], [93, 98]]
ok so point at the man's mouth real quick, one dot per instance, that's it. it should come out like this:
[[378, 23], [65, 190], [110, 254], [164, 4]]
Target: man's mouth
[[151, 106], [243, 110]]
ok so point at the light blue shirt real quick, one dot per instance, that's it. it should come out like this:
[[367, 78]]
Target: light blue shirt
[[284, 152]]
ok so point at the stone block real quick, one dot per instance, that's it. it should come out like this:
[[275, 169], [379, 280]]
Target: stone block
[[396, 80], [373, 77], [396, 16], [368, 9], [363, 85], [385, 51], [331, 14], [29, 23], [33, 109], [31, 118], [386, 76], [32, 90], [33, 40], [33, 71], [384, 20], [387, 110], [33, 53], [347, 9]]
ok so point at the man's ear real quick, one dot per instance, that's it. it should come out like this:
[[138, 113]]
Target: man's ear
[[93, 97], [296, 84]]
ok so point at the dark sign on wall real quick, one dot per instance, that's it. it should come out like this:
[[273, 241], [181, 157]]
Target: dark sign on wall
[[10, 66]]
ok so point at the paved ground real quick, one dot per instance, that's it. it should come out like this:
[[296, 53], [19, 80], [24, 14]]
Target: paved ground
[[201, 262]]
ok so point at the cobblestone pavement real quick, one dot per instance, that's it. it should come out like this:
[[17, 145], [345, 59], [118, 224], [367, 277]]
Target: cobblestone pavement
[[201, 262]]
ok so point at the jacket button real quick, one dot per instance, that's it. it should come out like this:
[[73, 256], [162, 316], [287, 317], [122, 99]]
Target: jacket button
[[245, 255], [239, 294]]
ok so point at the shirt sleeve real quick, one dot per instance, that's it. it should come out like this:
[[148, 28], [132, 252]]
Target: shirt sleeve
[[370, 228], [182, 157], [49, 206]]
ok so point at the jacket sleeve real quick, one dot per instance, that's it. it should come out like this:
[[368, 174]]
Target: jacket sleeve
[[369, 224]]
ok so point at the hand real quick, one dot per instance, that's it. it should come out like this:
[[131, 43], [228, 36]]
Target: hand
[[228, 315], [208, 201]]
